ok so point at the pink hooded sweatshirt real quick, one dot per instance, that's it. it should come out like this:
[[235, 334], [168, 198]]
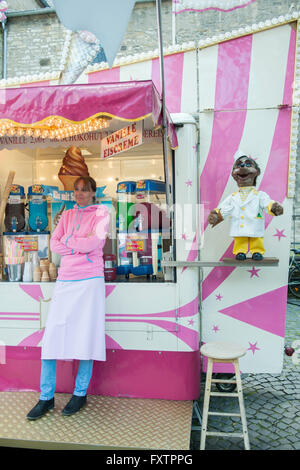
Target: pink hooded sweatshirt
[[79, 238]]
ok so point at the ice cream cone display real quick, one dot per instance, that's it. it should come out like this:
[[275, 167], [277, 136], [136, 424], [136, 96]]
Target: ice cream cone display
[[73, 166], [68, 181], [14, 253]]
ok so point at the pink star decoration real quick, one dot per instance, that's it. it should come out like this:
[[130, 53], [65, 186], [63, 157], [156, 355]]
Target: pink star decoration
[[219, 297], [216, 328], [253, 347], [189, 183], [191, 322], [253, 272], [279, 234]]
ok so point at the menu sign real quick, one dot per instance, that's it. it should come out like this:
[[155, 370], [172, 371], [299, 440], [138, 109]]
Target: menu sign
[[87, 139], [124, 139], [135, 245]]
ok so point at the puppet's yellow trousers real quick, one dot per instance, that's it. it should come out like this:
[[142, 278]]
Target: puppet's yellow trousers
[[245, 244]]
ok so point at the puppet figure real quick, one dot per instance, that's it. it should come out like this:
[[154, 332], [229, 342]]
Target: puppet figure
[[246, 208]]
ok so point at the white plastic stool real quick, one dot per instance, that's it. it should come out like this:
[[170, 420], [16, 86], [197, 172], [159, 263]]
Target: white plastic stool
[[226, 353]]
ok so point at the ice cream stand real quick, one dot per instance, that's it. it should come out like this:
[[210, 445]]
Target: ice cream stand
[[152, 325]]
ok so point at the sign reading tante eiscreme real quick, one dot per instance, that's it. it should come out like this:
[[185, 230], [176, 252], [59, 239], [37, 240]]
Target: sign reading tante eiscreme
[[124, 139]]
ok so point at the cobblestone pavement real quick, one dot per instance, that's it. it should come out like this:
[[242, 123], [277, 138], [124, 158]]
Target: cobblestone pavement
[[272, 403]]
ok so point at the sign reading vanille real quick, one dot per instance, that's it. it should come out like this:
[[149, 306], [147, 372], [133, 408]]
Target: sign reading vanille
[[124, 139]]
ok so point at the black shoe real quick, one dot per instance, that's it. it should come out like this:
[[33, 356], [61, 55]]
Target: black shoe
[[40, 409], [240, 256], [257, 256], [74, 405]]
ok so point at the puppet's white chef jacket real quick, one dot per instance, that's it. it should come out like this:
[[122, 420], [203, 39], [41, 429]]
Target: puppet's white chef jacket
[[247, 217]]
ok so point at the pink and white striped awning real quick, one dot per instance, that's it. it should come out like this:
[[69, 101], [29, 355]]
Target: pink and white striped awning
[[126, 101]]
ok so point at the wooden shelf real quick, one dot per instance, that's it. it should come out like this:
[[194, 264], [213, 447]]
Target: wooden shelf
[[250, 261], [224, 263]]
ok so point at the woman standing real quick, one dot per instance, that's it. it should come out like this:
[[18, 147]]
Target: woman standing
[[75, 326]]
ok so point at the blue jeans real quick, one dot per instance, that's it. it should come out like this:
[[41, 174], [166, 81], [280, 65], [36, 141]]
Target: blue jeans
[[48, 378]]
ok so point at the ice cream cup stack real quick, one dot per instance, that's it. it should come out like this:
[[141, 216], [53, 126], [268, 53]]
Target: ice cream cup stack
[[44, 265], [46, 272], [37, 274], [45, 276], [52, 272]]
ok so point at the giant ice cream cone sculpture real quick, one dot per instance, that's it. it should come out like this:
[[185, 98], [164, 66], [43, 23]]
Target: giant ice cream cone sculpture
[[73, 166]]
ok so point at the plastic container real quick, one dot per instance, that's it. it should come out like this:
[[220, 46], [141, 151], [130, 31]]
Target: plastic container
[[125, 199], [27, 272], [110, 267], [15, 209], [37, 202], [15, 272]]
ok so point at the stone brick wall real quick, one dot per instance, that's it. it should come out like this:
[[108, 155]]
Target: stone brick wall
[[21, 5], [192, 26], [206, 24], [35, 42]]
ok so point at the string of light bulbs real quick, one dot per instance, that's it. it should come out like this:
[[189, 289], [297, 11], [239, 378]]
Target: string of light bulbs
[[53, 128]]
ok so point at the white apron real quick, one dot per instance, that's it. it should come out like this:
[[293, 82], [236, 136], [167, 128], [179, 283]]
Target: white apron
[[75, 327]]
